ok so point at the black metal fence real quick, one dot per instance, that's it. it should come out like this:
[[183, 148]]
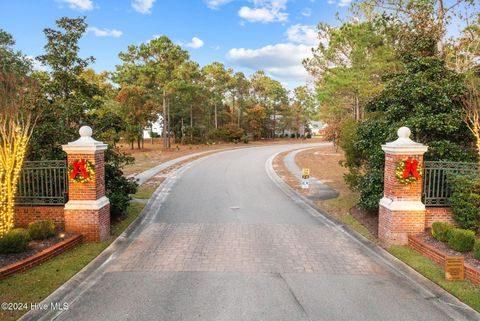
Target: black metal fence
[[436, 191], [43, 183]]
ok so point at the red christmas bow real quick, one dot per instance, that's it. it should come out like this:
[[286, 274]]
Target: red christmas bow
[[79, 167], [411, 166]]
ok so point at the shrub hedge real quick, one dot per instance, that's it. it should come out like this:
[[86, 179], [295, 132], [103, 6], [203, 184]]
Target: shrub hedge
[[440, 231], [476, 249], [41, 230], [15, 241], [461, 240], [465, 201]]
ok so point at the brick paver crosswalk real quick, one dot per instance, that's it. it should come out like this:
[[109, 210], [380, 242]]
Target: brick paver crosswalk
[[273, 248]]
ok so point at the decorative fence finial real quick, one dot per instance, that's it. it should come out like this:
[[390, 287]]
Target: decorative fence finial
[[404, 132], [85, 131]]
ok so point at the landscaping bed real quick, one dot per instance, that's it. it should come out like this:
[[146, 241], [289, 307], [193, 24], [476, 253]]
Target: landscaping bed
[[36, 246], [40, 256], [428, 239], [417, 243]]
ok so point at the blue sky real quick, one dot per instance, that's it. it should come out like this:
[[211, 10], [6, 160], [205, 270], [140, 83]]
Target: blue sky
[[273, 35]]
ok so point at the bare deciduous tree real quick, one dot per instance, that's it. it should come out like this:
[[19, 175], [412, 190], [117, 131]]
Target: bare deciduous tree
[[471, 109]]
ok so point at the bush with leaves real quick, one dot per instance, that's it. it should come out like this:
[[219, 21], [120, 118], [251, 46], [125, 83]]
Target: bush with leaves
[[15, 241], [440, 231], [425, 97], [117, 187], [465, 201], [41, 230], [461, 240]]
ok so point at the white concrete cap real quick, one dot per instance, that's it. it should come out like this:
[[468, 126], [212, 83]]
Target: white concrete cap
[[85, 144], [404, 145]]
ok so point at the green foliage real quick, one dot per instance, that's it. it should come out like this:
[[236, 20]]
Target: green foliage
[[11, 60], [70, 95], [15, 241], [440, 231], [465, 201], [461, 240], [117, 187], [41, 230], [425, 98], [476, 249]]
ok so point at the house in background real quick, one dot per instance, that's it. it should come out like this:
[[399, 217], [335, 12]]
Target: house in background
[[316, 127], [155, 128]]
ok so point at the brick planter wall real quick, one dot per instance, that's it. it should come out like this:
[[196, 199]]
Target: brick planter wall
[[40, 257], [438, 214], [471, 273], [25, 215]]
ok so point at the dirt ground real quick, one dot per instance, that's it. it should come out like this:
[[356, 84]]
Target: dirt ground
[[154, 154], [324, 164]]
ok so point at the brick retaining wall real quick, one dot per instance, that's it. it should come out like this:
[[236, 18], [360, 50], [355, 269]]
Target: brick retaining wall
[[40, 257], [471, 273]]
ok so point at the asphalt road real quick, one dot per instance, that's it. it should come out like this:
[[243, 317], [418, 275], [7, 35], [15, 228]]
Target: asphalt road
[[222, 241]]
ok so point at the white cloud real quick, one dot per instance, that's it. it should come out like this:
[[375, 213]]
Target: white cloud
[[215, 4], [265, 11], [283, 60], [302, 34], [80, 5], [344, 3], [143, 6], [105, 32], [195, 43], [307, 12]]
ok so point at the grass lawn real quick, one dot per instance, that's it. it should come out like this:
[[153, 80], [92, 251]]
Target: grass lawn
[[145, 191], [465, 290], [36, 284]]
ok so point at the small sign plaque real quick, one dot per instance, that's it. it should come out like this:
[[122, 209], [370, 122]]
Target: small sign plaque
[[454, 268], [306, 172]]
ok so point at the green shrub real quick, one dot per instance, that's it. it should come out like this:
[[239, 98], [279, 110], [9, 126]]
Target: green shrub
[[15, 241], [461, 240], [476, 249], [465, 201], [440, 231], [41, 230], [118, 187]]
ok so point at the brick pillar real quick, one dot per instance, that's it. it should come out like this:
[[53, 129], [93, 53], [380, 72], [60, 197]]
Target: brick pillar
[[87, 211], [401, 210]]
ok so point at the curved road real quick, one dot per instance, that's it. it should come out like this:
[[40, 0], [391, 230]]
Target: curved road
[[222, 241]]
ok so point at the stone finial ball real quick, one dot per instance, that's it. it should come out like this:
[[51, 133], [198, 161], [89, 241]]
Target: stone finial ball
[[404, 132], [85, 131]]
